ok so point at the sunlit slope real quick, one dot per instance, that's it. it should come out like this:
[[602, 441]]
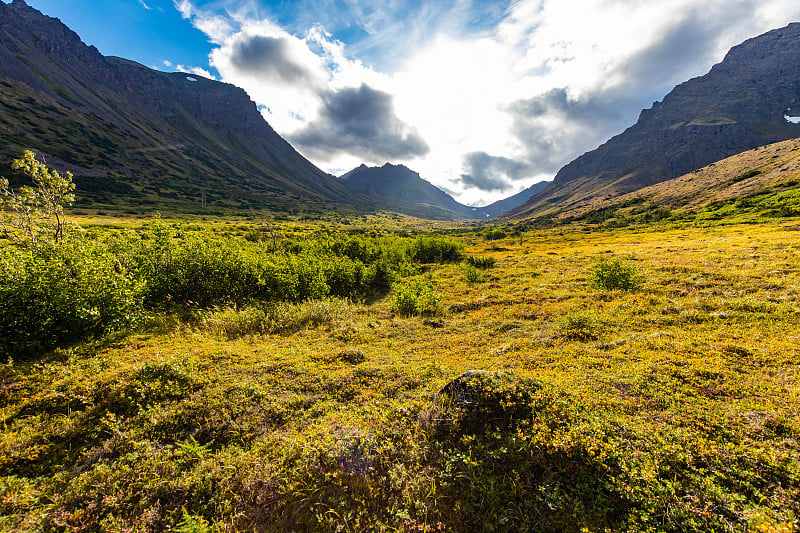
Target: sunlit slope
[[769, 170]]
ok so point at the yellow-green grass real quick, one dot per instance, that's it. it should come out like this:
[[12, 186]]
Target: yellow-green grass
[[672, 407]]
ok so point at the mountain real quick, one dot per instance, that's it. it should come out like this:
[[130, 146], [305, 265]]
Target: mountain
[[739, 105], [409, 192], [137, 137], [400, 184], [769, 171]]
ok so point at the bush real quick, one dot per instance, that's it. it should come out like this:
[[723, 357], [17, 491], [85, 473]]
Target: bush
[[611, 274], [579, 327], [481, 262], [436, 250], [207, 270], [494, 235], [473, 275], [62, 294], [415, 298]]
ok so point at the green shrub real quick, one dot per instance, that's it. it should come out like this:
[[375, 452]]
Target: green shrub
[[58, 295], [473, 275], [494, 235], [481, 262], [611, 274], [436, 250], [206, 270], [579, 327], [415, 298]]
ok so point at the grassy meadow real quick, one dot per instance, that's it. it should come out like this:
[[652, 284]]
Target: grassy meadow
[[670, 404]]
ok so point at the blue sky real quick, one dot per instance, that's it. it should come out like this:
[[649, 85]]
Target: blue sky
[[483, 98], [125, 28]]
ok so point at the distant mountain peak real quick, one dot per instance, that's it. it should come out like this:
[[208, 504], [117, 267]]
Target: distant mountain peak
[[400, 183]]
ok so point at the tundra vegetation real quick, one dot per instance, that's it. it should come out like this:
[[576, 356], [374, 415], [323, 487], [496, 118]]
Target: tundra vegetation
[[190, 375]]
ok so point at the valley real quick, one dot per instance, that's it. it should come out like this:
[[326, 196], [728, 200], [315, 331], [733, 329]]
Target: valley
[[203, 331]]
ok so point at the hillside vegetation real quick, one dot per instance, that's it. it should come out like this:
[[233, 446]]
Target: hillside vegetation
[[765, 176], [633, 381]]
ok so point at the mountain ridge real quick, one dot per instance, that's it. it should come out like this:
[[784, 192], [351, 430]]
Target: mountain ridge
[[399, 183], [131, 134], [738, 105]]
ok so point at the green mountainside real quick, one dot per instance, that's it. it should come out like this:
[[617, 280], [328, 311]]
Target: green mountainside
[[136, 137]]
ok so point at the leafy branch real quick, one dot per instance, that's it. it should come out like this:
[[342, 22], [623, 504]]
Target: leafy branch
[[35, 212]]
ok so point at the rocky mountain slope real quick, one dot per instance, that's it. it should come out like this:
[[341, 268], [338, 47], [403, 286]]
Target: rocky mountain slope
[[739, 105], [770, 169], [137, 137]]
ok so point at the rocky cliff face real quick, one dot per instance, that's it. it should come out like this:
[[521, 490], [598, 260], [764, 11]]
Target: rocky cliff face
[[133, 135], [739, 105]]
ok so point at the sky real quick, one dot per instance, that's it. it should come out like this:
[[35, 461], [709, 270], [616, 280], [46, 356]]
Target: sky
[[482, 97]]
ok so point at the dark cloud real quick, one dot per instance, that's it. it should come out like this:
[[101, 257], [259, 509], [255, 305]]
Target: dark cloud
[[684, 50], [557, 102], [554, 128], [270, 58], [361, 122], [492, 173]]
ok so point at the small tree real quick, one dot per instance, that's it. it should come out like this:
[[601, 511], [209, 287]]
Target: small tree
[[39, 210]]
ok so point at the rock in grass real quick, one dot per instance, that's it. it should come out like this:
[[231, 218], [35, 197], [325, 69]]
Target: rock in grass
[[478, 400], [353, 356], [461, 390]]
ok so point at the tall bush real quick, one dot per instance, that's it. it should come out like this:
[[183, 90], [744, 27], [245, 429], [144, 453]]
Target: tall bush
[[436, 250], [57, 295]]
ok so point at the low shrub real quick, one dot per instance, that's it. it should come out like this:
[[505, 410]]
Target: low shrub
[[494, 235], [436, 250], [473, 275], [579, 327], [206, 270], [415, 298], [481, 262], [613, 274]]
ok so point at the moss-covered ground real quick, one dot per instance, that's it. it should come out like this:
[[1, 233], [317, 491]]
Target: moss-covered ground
[[670, 407]]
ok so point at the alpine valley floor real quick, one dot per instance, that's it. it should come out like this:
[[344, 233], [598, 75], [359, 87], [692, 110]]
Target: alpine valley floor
[[670, 407]]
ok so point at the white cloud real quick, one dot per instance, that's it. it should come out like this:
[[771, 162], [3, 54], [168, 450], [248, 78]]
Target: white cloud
[[553, 79], [141, 2], [197, 71]]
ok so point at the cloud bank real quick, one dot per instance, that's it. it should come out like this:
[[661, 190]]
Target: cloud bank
[[483, 98]]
